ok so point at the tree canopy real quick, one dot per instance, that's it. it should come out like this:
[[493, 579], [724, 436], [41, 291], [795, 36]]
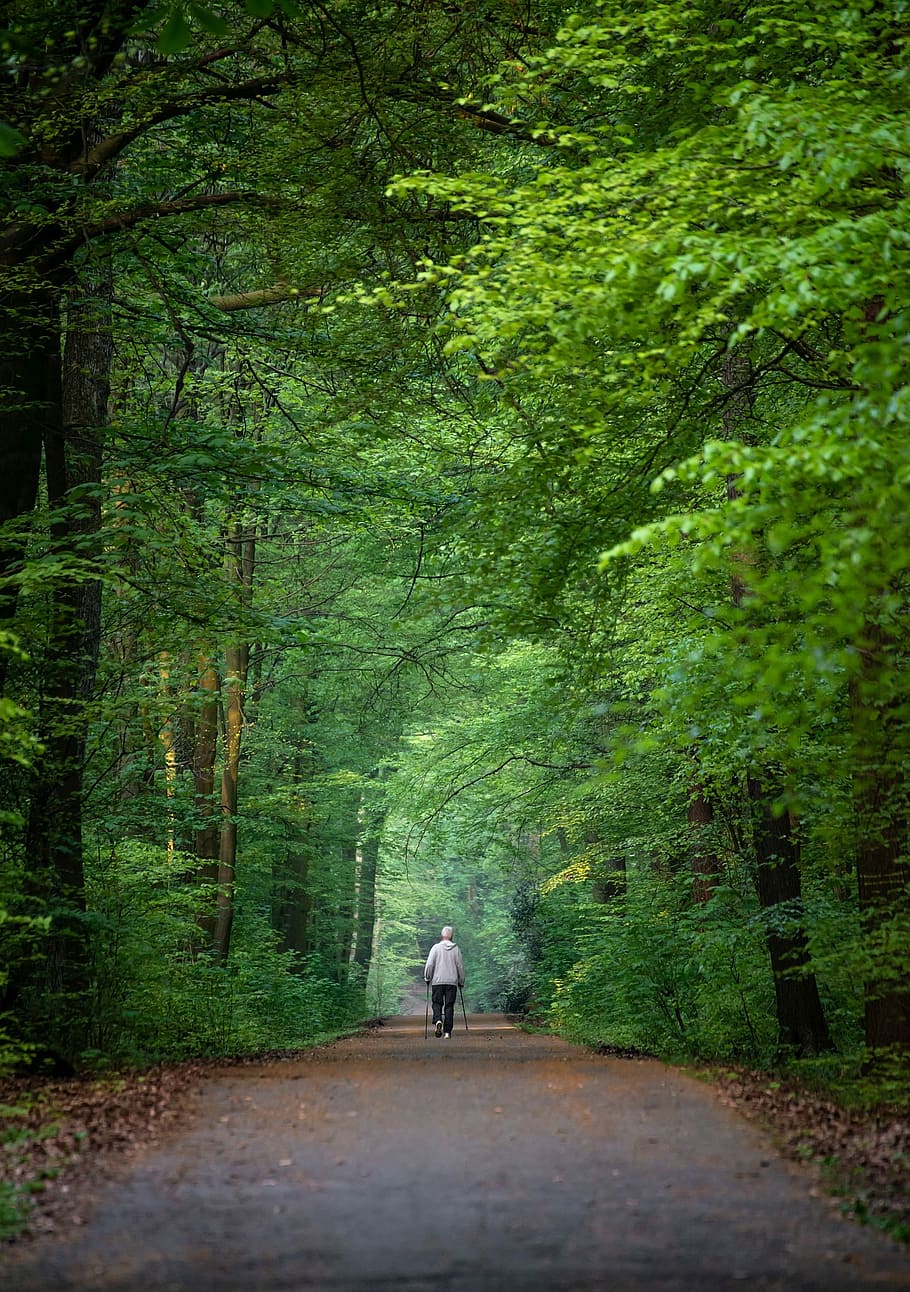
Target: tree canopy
[[454, 471]]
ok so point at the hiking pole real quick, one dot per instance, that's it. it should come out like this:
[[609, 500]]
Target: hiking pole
[[426, 1016], [463, 1010]]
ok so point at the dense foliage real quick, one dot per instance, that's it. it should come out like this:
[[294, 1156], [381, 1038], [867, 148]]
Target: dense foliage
[[455, 470]]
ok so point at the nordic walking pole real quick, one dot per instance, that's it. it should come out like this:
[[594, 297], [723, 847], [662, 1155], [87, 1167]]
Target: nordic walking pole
[[426, 1016], [463, 1010]]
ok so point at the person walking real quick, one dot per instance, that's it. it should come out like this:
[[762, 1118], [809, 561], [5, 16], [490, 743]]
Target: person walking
[[444, 971]]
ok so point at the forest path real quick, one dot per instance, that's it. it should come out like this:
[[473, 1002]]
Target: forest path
[[489, 1161]]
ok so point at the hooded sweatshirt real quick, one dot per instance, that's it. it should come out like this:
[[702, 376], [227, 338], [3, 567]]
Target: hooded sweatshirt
[[444, 965]]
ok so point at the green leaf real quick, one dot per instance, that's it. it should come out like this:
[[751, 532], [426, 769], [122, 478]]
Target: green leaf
[[11, 140], [176, 34], [259, 8], [210, 21]]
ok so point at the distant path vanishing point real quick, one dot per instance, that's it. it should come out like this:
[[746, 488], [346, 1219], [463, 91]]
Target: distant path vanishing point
[[494, 1160]]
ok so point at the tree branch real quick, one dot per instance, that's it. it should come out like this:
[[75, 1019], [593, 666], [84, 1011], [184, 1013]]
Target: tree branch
[[479, 114], [129, 219], [498, 124], [91, 161], [260, 296]]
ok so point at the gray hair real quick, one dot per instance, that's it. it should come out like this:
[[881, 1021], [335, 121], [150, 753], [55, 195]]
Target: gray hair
[[447, 931]]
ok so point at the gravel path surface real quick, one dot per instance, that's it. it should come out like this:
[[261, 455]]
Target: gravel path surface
[[494, 1160]]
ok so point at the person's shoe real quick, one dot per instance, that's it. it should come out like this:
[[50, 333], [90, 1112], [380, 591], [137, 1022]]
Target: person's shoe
[[448, 1036], [439, 1029]]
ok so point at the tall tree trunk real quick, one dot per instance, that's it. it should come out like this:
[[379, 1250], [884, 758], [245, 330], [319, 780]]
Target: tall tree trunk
[[800, 1018], [347, 900], [235, 687], [167, 734], [801, 1021], [366, 891], [239, 565], [883, 857], [291, 909], [73, 447], [31, 347], [206, 840], [704, 863], [291, 902]]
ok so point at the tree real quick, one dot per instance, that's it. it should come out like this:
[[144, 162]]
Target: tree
[[603, 285], [93, 181]]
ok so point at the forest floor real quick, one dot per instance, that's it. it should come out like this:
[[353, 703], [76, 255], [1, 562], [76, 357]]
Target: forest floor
[[385, 1160]]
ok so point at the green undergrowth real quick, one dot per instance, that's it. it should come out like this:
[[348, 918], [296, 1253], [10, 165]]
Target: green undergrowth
[[23, 1145], [151, 999]]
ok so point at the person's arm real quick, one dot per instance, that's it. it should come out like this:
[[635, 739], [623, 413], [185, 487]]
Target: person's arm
[[428, 967], [459, 965]]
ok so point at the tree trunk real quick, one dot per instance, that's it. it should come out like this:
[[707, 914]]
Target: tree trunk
[[31, 405], [167, 734], [239, 564], [883, 872], [347, 921], [609, 881], [235, 683], [206, 834], [73, 459], [704, 862], [291, 911], [291, 901], [366, 894], [801, 1021]]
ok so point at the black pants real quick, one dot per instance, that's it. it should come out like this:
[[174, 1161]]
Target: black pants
[[444, 1004]]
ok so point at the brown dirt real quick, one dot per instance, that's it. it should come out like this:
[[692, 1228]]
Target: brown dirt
[[489, 1161]]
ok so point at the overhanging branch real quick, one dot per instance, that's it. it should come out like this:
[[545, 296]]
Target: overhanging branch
[[91, 161], [498, 124], [64, 250], [262, 296]]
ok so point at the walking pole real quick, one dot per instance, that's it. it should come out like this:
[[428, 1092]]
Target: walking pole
[[463, 1010], [426, 1016]]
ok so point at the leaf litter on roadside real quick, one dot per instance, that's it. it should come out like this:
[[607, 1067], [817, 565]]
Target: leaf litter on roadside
[[863, 1155], [57, 1135]]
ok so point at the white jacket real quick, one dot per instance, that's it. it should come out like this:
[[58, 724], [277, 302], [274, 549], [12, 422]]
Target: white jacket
[[444, 965]]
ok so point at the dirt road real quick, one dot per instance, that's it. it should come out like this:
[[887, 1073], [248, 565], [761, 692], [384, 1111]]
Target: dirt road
[[490, 1161]]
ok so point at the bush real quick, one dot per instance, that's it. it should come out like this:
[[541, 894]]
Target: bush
[[154, 995], [654, 971]]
